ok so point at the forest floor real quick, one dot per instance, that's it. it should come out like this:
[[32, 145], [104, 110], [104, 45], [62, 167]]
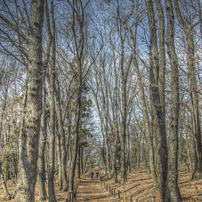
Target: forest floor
[[139, 185]]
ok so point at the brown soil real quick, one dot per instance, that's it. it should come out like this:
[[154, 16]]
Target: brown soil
[[139, 185]]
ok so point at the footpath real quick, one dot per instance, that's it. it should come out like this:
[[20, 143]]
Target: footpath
[[91, 190]]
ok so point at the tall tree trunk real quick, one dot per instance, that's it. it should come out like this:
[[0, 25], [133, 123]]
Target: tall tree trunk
[[194, 92], [123, 115], [162, 57], [189, 155], [2, 115], [158, 108], [29, 137], [81, 160], [42, 144], [108, 154], [173, 193], [78, 158], [62, 138], [74, 150], [77, 8], [51, 159], [43, 134], [59, 160], [128, 149], [145, 111]]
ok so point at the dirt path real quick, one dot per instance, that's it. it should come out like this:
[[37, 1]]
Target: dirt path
[[90, 190]]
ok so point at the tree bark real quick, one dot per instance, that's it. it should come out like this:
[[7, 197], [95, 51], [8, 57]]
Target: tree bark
[[59, 160], [81, 160], [42, 144], [145, 111], [158, 108], [51, 159], [78, 158], [43, 134], [173, 193], [62, 138], [29, 137], [79, 54], [6, 194], [194, 92], [74, 151]]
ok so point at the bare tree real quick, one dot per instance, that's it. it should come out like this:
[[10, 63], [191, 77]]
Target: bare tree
[[188, 30], [173, 193], [28, 154]]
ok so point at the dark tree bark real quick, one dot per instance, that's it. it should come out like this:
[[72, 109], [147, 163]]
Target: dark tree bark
[[29, 137], [155, 98], [81, 160], [173, 193], [78, 158], [78, 16]]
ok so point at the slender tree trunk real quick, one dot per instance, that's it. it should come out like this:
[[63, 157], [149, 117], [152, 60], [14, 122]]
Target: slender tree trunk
[[173, 193], [59, 159], [6, 194], [78, 158], [78, 8], [123, 115], [42, 144], [62, 138], [2, 115], [81, 160], [157, 105], [189, 155], [51, 159], [128, 151], [145, 113], [29, 137], [74, 151], [108, 154], [194, 92]]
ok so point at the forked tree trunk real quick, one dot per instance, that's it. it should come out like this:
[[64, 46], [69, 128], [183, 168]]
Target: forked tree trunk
[[157, 105], [29, 137], [62, 139], [74, 150]]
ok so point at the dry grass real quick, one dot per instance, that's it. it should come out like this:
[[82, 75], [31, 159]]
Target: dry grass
[[139, 185]]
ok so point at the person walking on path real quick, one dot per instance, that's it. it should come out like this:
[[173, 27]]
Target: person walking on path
[[91, 175], [45, 179], [97, 173]]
